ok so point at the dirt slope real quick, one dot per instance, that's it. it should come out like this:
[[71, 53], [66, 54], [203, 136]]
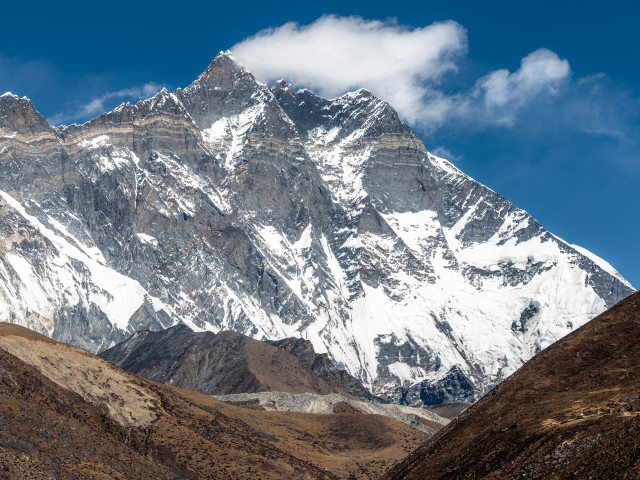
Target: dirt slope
[[65, 413], [573, 411]]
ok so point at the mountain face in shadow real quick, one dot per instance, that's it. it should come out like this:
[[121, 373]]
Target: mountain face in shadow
[[229, 363]]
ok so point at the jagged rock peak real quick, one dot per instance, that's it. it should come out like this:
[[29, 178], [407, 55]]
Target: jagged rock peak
[[282, 87], [162, 93], [161, 101], [359, 93], [225, 88], [20, 116], [310, 111], [223, 67], [226, 58]]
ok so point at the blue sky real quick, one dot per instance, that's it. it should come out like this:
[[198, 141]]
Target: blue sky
[[538, 100]]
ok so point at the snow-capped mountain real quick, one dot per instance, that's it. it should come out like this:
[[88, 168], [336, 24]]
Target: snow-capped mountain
[[276, 213]]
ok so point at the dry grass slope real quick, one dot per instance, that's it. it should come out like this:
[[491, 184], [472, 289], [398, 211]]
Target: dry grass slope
[[573, 411], [67, 414]]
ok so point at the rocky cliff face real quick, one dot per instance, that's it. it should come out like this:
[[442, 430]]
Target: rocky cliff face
[[231, 363], [276, 213]]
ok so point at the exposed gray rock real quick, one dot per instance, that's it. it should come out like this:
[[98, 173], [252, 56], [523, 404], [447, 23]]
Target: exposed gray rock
[[230, 363], [418, 418], [227, 205]]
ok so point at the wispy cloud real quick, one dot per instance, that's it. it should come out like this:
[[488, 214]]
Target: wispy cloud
[[98, 105], [502, 92], [444, 152], [335, 54], [541, 97], [597, 107], [411, 68]]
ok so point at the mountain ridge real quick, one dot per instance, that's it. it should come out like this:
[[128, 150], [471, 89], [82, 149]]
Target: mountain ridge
[[229, 363], [275, 213]]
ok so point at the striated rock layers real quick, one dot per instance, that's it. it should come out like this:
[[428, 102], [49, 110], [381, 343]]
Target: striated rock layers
[[228, 205]]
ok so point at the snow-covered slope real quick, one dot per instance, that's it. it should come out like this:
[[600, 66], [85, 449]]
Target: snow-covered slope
[[276, 213]]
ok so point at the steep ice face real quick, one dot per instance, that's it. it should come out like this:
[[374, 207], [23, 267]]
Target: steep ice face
[[45, 270], [464, 282], [278, 213]]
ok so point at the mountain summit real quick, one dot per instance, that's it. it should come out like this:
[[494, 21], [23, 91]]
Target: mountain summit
[[228, 205]]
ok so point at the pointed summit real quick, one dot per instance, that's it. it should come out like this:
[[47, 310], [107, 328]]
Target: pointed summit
[[164, 101], [20, 116], [222, 89], [282, 88], [226, 57], [224, 65]]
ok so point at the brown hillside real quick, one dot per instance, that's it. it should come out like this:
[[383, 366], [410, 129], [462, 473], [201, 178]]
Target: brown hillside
[[65, 413], [573, 411]]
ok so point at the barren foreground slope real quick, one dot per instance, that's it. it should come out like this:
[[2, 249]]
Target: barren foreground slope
[[573, 411], [65, 413]]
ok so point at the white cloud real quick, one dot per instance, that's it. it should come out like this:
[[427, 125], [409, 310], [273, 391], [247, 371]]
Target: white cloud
[[335, 54], [498, 97], [405, 66], [503, 92], [444, 152], [98, 105]]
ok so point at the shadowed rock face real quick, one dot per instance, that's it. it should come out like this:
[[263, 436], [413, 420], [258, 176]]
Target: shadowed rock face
[[230, 363], [321, 365], [571, 411], [227, 205], [66, 413]]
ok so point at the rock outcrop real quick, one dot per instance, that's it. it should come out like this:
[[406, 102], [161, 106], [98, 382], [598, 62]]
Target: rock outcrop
[[231, 363]]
